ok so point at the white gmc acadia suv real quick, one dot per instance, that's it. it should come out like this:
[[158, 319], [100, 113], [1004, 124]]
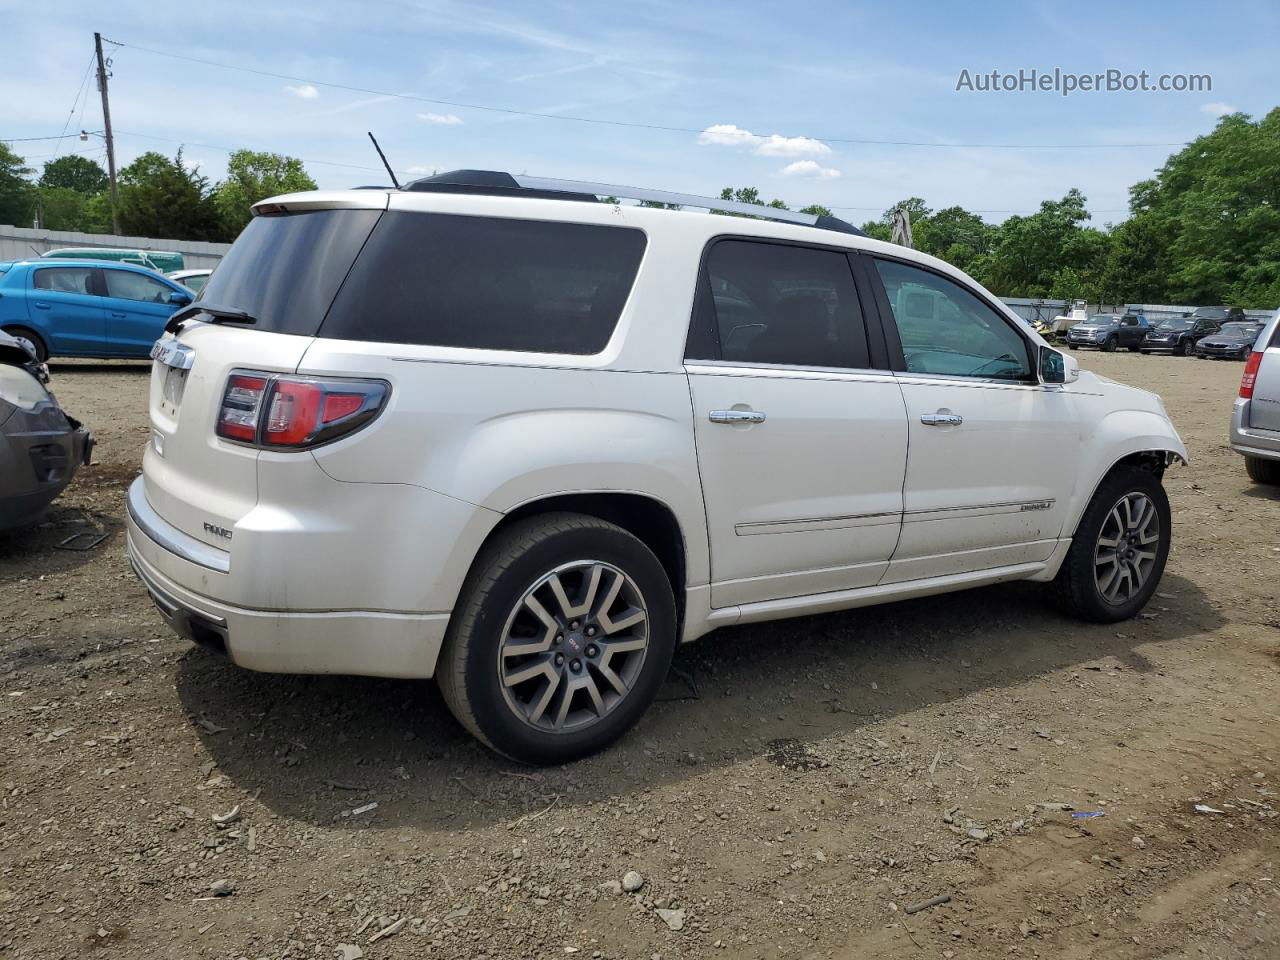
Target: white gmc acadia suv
[[493, 430]]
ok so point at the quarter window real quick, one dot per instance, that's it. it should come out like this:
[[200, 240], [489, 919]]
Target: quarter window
[[947, 330], [487, 283], [781, 304], [127, 285], [65, 280]]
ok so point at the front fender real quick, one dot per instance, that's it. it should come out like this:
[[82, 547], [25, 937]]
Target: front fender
[[1117, 435]]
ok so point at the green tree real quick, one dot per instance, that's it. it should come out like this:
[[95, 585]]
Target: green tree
[[61, 208], [252, 177], [17, 195], [74, 173], [817, 209], [160, 197], [1217, 203]]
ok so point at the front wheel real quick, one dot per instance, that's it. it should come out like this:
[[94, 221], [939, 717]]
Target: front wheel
[[1184, 348], [1262, 471], [564, 632], [1119, 550], [1073, 346], [1109, 346]]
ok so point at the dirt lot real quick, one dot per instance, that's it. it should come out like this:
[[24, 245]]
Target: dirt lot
[[817, 779]]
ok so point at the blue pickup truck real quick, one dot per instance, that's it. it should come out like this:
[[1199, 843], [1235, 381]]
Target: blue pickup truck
[[86, 308]]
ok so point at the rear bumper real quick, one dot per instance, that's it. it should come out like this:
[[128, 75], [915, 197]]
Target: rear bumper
[[356, 642], [1249, 442]]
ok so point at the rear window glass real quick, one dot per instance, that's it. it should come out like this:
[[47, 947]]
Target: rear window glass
[[285, 268], [64, 279], [487, 283]]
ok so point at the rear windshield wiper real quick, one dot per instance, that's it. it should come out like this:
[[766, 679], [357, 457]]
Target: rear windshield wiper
[[218, 315]]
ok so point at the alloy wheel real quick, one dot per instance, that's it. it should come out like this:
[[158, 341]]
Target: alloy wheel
[[573, 646], [1127, 547]]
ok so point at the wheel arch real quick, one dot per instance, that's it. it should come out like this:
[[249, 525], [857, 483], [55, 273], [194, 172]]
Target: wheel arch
[[1127, 438], [652, 521]]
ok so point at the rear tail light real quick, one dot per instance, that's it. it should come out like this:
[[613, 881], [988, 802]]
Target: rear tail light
[[1250, 374], [296, 412]]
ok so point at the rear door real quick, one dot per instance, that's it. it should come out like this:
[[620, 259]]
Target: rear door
[[801, 441], [66, 309], [993, 452], [137, 308]]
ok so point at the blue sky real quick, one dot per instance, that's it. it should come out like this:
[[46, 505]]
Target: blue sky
[[791, 74]]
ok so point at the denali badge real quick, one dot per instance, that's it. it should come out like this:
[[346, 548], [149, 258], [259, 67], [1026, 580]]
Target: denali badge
[[1026, 507], [222, 532]]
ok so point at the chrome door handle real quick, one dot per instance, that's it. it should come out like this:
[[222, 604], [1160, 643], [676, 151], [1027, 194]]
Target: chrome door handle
[[736, 416], [941, 419]]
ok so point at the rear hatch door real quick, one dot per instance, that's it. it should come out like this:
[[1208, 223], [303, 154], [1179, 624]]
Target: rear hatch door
[[283, 271], [1264, 409]]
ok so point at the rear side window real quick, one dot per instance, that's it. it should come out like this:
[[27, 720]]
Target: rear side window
[[781, 304], [64, 280], [284, 269], [488, 283]]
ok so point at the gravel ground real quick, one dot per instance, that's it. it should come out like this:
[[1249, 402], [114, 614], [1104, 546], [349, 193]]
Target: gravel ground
[[809, 784]]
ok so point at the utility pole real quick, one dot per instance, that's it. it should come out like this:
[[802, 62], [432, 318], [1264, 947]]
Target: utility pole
[[106, 127]]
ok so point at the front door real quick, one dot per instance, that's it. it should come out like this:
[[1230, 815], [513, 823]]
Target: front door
[[992, 451], [801, 446], [66, 310], [137, 308]]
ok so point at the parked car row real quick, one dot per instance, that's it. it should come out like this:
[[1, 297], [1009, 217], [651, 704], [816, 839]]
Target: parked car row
[[1217, 332]]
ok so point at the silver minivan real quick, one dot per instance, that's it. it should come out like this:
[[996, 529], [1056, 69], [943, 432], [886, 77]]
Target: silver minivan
[[1255, 421]]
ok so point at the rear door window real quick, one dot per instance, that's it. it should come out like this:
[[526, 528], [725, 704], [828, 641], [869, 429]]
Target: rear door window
[[487, 283], [65, 280], [781, 304]]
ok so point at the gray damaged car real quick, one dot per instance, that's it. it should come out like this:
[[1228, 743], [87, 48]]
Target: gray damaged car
[[41, 448]]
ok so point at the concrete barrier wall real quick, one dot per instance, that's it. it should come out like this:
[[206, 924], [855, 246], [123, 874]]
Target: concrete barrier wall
[[18, 243]]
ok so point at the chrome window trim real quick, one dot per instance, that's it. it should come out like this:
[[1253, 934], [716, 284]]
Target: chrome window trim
[[733, 368], [170, 538]]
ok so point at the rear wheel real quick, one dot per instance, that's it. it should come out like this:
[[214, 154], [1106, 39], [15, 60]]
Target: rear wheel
[[1184, 348], [1262, 471], [29, 336], [563, 635], [1119, 550]]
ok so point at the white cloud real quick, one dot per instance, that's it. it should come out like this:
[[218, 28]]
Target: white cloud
[[1217, 109], [306, 91], [725, 135], [773, 145], [776, 146], [810, 168], [447, 119], [420, 170]]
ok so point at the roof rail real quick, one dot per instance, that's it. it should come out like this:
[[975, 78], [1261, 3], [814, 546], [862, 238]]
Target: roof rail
[[495, 183]]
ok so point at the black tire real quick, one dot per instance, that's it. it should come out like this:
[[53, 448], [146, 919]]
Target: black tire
[[1133, 349], [1109, 345], [1073, 346], [26, 333], [1262, 471], [468, 669], [1075, 589], [1184, 348]]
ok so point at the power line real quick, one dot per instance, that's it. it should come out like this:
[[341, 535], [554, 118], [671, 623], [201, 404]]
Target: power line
[[637, 125], [74, 103]]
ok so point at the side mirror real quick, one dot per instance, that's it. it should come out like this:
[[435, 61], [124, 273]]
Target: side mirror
[[1058, 367], [179, 299]]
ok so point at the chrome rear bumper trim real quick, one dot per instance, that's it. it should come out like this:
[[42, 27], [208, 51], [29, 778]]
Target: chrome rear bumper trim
[[165, 535]]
